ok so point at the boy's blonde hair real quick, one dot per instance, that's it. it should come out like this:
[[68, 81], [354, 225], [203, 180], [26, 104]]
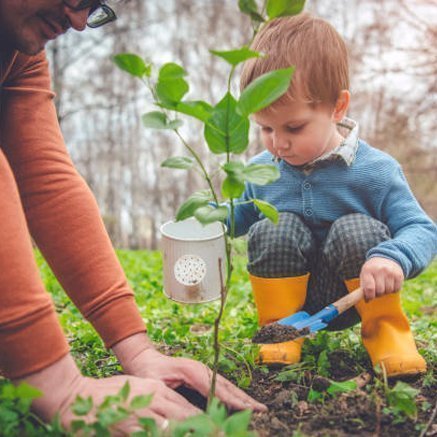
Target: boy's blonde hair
[[310, 44]]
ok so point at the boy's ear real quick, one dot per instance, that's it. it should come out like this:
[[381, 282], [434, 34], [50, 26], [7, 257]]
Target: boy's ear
[[341, 106]]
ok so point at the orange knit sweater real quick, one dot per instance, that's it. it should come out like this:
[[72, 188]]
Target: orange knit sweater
[[42, 194]]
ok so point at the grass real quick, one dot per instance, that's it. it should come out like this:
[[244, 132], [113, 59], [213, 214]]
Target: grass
[[186, 330]]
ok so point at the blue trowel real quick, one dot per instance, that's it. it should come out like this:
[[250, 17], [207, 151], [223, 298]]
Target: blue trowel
[[301, 324]]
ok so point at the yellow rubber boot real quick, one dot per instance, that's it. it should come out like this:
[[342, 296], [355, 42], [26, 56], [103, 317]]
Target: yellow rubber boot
[[276, 298], [387, 335]]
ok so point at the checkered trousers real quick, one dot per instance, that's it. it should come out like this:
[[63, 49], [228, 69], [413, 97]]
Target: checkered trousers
[[290, 249]]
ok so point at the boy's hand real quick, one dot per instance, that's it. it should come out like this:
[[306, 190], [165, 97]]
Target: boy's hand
[[380, 276]]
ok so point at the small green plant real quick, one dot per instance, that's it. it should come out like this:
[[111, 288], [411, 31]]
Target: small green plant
[[294, 372], [317, 351], [15, 415], [114, 409], [226, 132], [322, 388], [214, 422], [401, 400]]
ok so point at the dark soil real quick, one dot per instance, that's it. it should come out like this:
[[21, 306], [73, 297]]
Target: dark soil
[[276, 333], [360, 412]]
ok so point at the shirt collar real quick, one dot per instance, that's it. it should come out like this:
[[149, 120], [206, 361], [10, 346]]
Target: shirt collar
[[346, 150]]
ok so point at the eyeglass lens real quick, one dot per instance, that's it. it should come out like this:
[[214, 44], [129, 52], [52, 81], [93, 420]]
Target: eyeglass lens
[[99, 15]]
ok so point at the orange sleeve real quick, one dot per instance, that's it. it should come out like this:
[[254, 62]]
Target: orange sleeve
[[30, 335], [62, 214]]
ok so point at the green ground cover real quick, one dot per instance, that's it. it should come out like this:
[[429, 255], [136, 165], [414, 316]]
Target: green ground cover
[[186, 330]]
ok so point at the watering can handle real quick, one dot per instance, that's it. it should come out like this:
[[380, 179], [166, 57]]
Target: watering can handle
[[349, 300]]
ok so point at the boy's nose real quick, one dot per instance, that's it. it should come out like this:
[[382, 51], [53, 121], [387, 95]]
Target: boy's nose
[[77, 19], [281, 144]]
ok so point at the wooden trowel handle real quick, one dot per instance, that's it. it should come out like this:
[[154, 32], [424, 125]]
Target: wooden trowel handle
[[349, 300]]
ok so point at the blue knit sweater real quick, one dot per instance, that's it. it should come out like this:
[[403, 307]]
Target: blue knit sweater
[[373, 184]]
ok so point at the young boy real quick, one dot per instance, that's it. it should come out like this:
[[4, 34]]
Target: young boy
[[347, 215]]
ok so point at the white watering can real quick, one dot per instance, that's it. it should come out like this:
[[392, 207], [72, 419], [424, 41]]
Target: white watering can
[[191, 253]]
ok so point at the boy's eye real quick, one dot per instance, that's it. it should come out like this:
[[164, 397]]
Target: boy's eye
[[266, 129], [295, 129]]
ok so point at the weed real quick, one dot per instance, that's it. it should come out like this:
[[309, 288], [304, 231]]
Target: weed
[[401, 401]]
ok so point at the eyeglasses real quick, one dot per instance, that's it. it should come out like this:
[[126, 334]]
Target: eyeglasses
[[99, 15]]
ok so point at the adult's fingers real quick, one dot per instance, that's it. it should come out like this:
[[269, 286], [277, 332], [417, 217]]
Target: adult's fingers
[[236, 398], [171, 405], [199, 377]]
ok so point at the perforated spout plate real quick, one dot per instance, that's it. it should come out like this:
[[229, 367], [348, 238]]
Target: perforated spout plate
[[190, 269]]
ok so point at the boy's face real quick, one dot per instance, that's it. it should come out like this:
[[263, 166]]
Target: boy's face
[[297, 132], [27, 25]]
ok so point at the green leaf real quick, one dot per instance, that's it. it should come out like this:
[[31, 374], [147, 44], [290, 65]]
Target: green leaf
[[142, 434], [110, 400], [314, 395], [288, 375], [250, 8], [217, 412], [341, 387], [264, 90], [323, 363], [234, 169], [150, 426], [227, 131], [402, 398], [197, 109], [238, 423], [26, 391], [180, 162], [195, 201], [171, 86], [98, 429], [267, 209], [132, 64], [261, 174], [171, 71], [233, 185], [77, 425], [124, 392], [81, 406], [110, 417], [232, 188], [282, 8], [141, 401], [209, 214], [158, 120], [235, 57], [200, 425], [8, 416]]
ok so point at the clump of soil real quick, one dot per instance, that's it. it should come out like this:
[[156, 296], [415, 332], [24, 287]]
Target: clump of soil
[[277, 333]]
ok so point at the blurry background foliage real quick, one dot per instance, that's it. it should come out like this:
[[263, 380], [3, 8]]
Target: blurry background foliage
[[392, 46]]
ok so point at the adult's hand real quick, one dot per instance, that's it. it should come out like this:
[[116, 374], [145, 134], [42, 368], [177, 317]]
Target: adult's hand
[[139, 358], [62, 382]]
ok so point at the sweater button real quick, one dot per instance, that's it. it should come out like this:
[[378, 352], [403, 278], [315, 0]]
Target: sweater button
[[306, 186], [308, 212]]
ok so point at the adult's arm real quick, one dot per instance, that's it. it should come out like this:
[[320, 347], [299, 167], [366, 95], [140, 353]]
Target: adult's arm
[[62, 214]]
